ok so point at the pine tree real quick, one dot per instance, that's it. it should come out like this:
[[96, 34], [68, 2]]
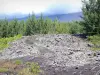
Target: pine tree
[[91, 16], [41, 24], [4, 28], [22, 27], [31, 26]]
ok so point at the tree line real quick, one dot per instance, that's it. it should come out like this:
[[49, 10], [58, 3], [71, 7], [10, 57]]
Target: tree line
[[90, 23], [37, 26]]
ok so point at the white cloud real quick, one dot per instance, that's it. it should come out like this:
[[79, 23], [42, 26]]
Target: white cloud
[[37, 6]]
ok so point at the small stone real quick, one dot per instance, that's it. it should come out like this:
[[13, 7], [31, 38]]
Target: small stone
[[90, 45], [70, 53], [98, 53], [86, 68], [98, 60], [76, 68], [47, 46], [94, 54], [74, 73], [89, 54], [19, 51], [29, 48], [32, 46], [56, 40], [60, 38]]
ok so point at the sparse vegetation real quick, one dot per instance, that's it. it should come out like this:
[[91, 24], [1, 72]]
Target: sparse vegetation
[[4, 42], [19, 68], [18, 62], [33, 69], [95, 40], [2, 70]]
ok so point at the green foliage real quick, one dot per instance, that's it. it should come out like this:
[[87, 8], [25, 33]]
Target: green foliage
[[91, 16], [19, 68], [3, 70], [34, 67], [25, 71], [4, 41], [18, 62], [75, 28], [37, 26], [95, 40], [31, 69]]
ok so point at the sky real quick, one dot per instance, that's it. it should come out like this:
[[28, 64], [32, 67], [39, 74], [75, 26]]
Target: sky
[[40, 6]]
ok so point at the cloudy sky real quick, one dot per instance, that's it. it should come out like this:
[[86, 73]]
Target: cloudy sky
[[39, 6]]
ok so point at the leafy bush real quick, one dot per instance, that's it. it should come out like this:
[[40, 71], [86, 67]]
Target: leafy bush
[[75, 28]]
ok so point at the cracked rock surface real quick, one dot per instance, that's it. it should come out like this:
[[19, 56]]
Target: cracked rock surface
[[61, 54]]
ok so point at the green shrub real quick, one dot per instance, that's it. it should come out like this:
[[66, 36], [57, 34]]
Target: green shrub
[[75, 28], [4, 42], [95, 40], [2, 70], [33, 67], [18, 62], [20, 68]]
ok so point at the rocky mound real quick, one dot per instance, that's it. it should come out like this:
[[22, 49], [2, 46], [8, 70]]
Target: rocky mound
[[52, 50]]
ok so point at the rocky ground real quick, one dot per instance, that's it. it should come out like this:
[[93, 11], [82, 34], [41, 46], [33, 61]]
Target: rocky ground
[[56, 54]]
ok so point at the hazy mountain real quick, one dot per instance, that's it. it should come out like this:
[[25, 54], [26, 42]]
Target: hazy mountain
[[61, 17]]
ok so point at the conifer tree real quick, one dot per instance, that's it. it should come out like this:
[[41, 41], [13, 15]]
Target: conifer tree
[[91, 16]]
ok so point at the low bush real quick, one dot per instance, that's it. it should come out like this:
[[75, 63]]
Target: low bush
[[34, 68], [19, 68], [2, 70], [4, 42], [95, 40], [18, 62]]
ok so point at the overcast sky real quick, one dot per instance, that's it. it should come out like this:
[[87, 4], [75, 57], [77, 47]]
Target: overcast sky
[[40, 6]]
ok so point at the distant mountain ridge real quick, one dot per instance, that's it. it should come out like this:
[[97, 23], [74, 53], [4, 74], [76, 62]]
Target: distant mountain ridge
[[61, 17]]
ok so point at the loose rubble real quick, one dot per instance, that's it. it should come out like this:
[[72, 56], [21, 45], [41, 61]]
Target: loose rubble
[[61, 50]]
